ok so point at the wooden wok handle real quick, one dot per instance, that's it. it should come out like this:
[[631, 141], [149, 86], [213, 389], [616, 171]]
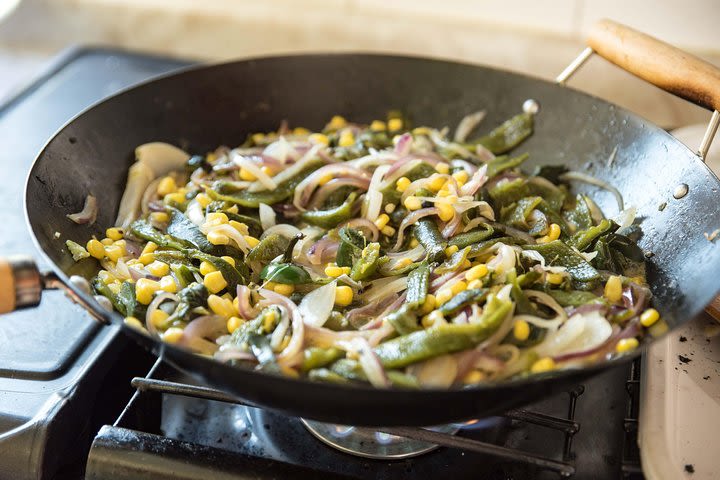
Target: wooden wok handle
[[657, 62], [20, 283]]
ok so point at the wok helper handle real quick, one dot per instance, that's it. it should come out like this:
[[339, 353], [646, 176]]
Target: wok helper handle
[[20, 283]]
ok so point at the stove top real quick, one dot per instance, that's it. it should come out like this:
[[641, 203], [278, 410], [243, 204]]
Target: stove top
[[80, 387]]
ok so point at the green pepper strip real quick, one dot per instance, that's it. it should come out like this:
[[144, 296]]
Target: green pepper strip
[[285, 271], [427, 233], [368, 263], [583, 239], [233, 275], [462, 300], [325, 375], [316, 357], [403, 320], [508, 135], [453, 263], [574, 298], [500, 164], [143, 229], [516, 214], [466, 239], [556, 253], [351, 245], [407, 349], [417, 285], [268, 249], [333, 217], [182, 228], [350, 370]]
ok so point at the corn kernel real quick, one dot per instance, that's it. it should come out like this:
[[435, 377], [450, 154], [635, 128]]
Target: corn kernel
[[382, 220], [168, 284], [626, 345], [377, 126], [227, 296], [216, 218], [133, 322], [543, 365], [474, 376], [336, 122], [613, 289], [554, 231], [233, 324], [267, 170], [107, 241], [476, 272], [176, 197], [461, 177], [346, 270], [343, 296], [229, 260], [115, 287], [114, 252], [114, 233], [472, 285], [402, 184], [402, 263], [233, 209], [521, 330], [325, 179], [158, 269], [284, 289], [247, 175], [414, 242], [149, 248], [554, 278], [172, 335], [390, 207], [333, 271], [347, 139], [443, 168], [221, 306], [649, 317], [458, 287], [436, 183], [429, 304], [96, 249], [133, 262], [319, 138], [421, 131], [106, 277], [166, 186], [252, 241], [466, 264], [395, 124], [240, 227], [451, 250], [388, 231], [147, 258], [145, 289], [203, 199], [217, 238], [443, 295], [300, 131], [159, 217], [214, 282], [445, 211], [433, 318], [258, 137], [412, 203], [158, 317]]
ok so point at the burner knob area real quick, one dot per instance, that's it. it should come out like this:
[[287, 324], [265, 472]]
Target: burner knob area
[[20, 283]]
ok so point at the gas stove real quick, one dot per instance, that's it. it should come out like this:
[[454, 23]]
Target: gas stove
[[80, 401]]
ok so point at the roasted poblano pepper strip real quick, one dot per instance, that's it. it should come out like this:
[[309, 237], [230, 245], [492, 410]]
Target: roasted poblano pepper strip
[[143, 229], [233, 275], [101, 288], [182, 228], [351, 246], [476, 235], [427, 233], [558, 254], [260, 347], [368, 263], [414, 347], [285, 271], [508, 135], [454, 263], [462, 300], [500, 164], [583, 239], [268, 249], [516, 214], [326, 375], [193, 296], [508, 192], [404, 320], [574, 298], [130, 305], [580, 216], [417, 285], [263, 324], [527, 279], [333, 217], [316, 357]]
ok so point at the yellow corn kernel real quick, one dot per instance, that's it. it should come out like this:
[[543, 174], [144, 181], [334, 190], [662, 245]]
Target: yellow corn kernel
[[390, 207], [159, 269], [114, 252], [115, 287], [378, 126], [445, 211], [554, 278], [443, 295], [168, 284], [158, 317], [229, 260], [554, 231], [233, 209], [133, 262], [325, 178], [521, 330], [106, 277], [267, 170], [436, 183], [133, 322], [474, 284], [613, 288], [257, 137], [221, 306], [452, 249], [172, 335], [402, 263], [429, 304], [96, 249], [176, 197], [149, 248], [336, 122], [388, 231], [466, 264], [626, 345], [159, 217], [284, 289], [216, 218], [443, 168], [346, 270], [343, 296], [474, 376], [233, 324], [147, 258], [203, 199], [476, 272], [145, 289], [461, 177], [421, 131], [252, 241], [114, 233], [227, 296], [347, 139], [458, 287], [239, 226], [545, 364], [333, 270], [412, 203], [402, 184], [269, 285], [395, 124], [382, 220], [300, 131], [247, 175], [414, 242], [649, 317], [319, 138], [214, 282], [166, 186], [107, 241], [432, 318], [217, 238], [444, 191]]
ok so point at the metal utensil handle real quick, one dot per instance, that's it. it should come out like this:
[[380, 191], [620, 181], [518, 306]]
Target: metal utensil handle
[[20, 283]]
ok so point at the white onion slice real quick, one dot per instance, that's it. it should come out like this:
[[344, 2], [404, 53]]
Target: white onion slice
[[195, 213], [467, 125], [582, 331], [279, 333], [374, 198], [267, 216], [317, 305], [252, 167], [89, 212], [283, 229]]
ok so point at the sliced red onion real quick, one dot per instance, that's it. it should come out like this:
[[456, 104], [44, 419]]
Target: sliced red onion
[[289, 354], [579, 333], [377, 335], [411, 220], [226, 355], [322, 193], [305, 189], [150, 196], [154, 304], [207, 327], [374, 197], [575, 356], [88, 214], [452, 226], [404, 144], [317, 305], [322, 250], [483, 153], [279, 333], [244, 308], [467, 125], [478, 179], [368, 360], [267, 216], [281, 150], [465, 165], [413, 254], [370, 310], [104, 302], [283, 229], [230, 232], [583, 177], [326, 338], [137, 273], [374, 159], [377, 289], [310, 156]]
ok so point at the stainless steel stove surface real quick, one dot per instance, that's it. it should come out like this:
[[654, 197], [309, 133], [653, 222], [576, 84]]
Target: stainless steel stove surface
[[62, 377]]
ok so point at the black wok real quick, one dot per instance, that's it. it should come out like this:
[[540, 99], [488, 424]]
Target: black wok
[[204, 107]]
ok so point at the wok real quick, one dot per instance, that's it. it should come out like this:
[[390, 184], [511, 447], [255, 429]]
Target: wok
[[208, 106]]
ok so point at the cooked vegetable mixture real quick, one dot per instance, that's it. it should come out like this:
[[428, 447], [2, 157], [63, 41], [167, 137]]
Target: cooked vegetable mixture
[[375, 253]]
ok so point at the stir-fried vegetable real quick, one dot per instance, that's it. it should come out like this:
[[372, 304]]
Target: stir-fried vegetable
[[379, 254]]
